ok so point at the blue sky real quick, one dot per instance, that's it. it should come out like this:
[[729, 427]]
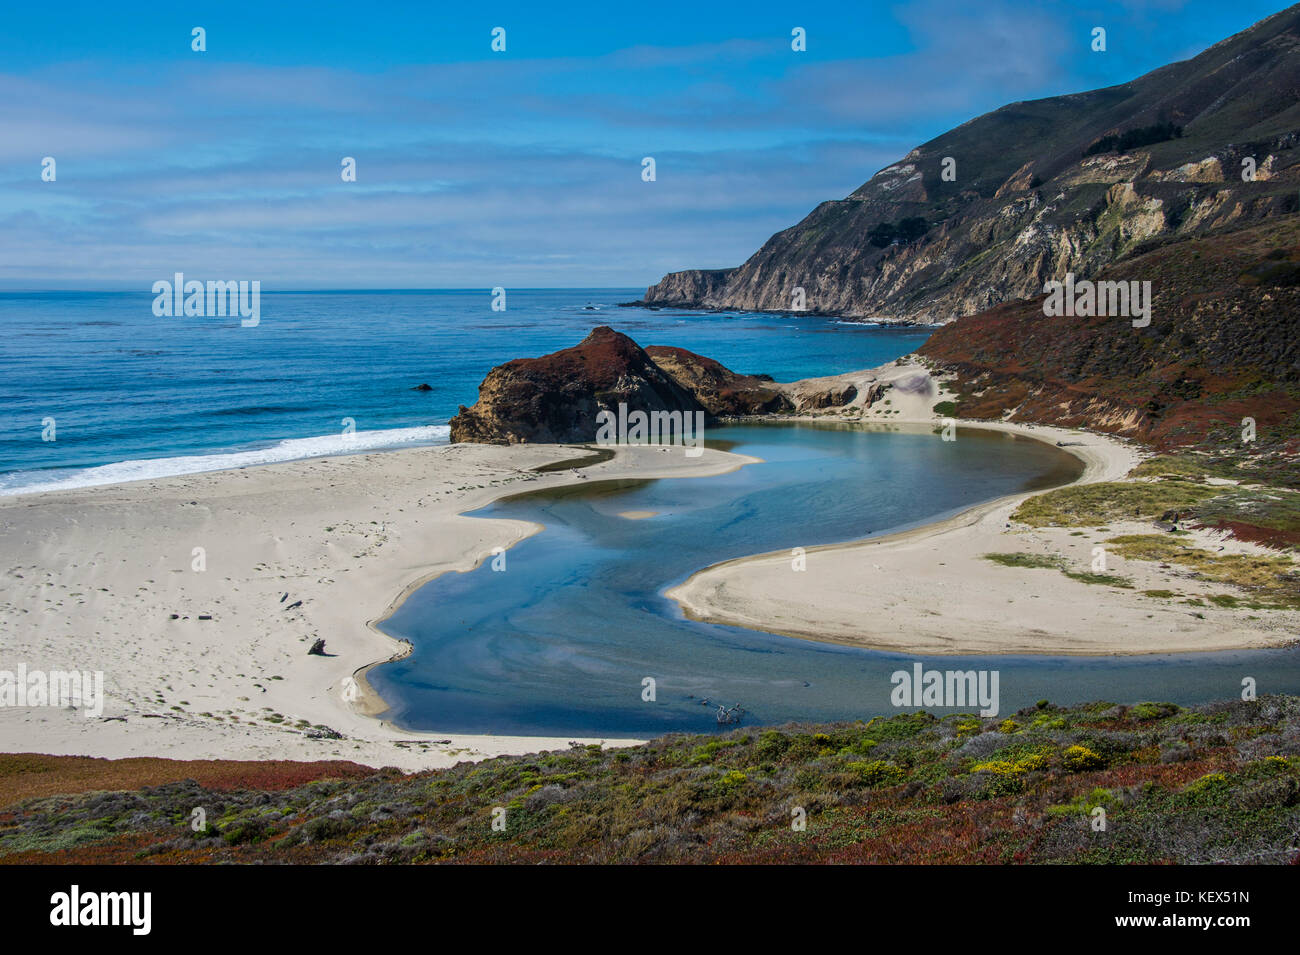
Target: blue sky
[[520, 169]]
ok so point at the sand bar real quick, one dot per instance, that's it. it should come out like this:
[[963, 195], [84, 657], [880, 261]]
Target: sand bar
[[931, 590], [92, 578]]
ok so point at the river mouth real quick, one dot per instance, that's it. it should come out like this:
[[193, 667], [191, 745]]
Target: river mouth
[[574, 636]]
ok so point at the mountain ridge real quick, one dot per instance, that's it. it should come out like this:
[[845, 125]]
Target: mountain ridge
[[1027, 205]]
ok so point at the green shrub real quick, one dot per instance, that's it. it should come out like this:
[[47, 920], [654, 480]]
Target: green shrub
[[877, 772]]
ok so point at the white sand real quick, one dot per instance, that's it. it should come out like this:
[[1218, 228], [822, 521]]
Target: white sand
[[931, 590], [91, 578]]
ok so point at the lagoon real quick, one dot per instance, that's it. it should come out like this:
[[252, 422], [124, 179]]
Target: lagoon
[[562, 640]]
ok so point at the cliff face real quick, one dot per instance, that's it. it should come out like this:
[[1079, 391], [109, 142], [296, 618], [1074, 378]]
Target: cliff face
[[689, 289], [1024, 204], [557, 397], [1223, 345]]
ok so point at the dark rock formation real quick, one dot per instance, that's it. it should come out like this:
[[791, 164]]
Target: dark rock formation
[[1026, 202], [557, 397], [423, 387], [719, 390]]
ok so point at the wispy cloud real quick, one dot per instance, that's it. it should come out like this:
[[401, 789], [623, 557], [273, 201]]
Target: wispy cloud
[[516, 169]]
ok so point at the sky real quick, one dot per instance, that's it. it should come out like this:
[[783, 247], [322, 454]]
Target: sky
[[518, 168]]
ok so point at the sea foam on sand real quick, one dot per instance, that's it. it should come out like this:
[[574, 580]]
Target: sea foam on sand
[[292, 449]]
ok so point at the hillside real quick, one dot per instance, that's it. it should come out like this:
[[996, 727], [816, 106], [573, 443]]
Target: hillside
[[1223, 345], [1066, 184], [1214, 783]]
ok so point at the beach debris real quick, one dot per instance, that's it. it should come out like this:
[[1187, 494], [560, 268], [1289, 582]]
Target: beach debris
[[296, 603], [323, 732], [317, 648], [730, 714], [285, 597], [205, 616]]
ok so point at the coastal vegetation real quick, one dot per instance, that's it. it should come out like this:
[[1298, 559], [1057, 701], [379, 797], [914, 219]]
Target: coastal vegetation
[[1187, 490], [1133, 138], [1231, 495], [1212, 783], [1046, 562], [1214, 374]]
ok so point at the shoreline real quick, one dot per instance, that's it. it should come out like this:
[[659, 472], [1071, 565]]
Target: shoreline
[[981, 608], [846, 319], [213, 664], [249, 519], [371, 702]]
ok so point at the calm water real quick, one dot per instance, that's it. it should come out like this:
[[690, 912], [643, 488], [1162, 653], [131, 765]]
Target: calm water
[[134, 396], [560, 641]]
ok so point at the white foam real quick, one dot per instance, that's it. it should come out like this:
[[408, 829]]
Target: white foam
[[292, 449]]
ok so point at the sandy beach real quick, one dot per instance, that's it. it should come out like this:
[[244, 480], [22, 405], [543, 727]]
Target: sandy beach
[[213, 663], [932, 591], [199, 596]]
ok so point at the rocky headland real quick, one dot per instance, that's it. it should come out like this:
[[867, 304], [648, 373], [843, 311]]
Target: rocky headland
[[989, 211]]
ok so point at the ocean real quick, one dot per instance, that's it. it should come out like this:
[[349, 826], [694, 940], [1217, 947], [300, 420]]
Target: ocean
[[125, 395]]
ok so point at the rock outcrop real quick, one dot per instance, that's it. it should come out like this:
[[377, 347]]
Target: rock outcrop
[[989, 211], [693, 288], [818, 396], [557, 397], [718, 389]]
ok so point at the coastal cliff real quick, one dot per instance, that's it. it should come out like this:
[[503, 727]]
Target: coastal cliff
[[693, 288], [989, 211], [557, 397]]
